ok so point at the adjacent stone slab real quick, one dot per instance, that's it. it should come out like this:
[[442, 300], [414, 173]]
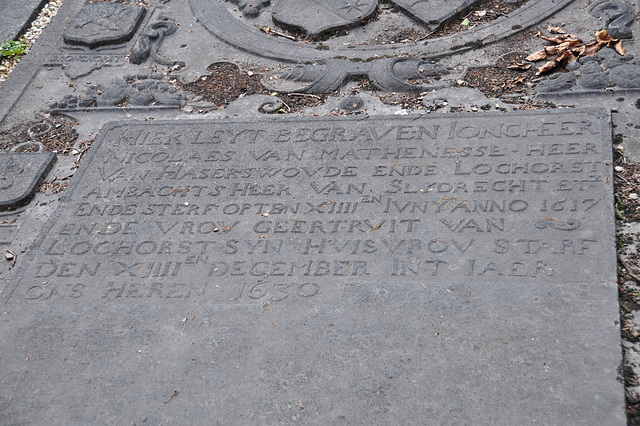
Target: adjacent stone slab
[[15, 17], [414, 270], [20, 174]]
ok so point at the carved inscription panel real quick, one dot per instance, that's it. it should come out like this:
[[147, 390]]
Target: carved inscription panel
[[294, 210]]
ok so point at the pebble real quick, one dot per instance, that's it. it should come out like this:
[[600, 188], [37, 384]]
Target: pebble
[[619, 169], [633, 196]]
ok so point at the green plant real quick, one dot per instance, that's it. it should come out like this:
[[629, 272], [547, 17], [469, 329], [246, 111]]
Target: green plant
[[9, 49]]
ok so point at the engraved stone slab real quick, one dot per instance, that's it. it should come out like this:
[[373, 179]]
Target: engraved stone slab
[[99, 24], [20, 174], [397, 270]]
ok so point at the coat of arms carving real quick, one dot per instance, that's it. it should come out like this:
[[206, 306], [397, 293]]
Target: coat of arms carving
[[317, 16]]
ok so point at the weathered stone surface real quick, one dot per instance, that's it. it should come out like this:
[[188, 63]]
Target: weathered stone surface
[[444, 270], [617, 17], [20, 174], [557, 83], [434, 12], [99, 24], [242, 33], [318, 16], [15, 16]]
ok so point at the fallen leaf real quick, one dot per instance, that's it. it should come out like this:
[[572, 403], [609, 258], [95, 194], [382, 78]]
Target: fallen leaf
[[537, 56], [566, 56], [617, 45], [466, 22], [590, 49], [522, 66], [519, 79], [556, 30], [603, 37], [551, 50], [548, 66], [559, 39]]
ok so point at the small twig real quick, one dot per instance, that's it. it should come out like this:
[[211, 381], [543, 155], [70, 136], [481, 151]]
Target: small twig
[[304, 94], [269, 31], [175, 393]]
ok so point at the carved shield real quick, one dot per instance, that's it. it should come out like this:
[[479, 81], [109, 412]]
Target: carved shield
[[317, 16], [99, 24]]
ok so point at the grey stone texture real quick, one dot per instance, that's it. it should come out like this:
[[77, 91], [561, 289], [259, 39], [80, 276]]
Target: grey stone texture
[[16, 15], [20, 174], [382, 269]]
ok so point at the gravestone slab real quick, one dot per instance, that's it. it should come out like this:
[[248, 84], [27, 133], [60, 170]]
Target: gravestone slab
[[20, 174], [397, 270], [15, 17]]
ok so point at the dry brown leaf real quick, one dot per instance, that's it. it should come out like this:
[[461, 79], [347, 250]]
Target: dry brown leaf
[[548, 66], [579, 51], [591, 49], [617, 45], [551, 39], [537, 56], [566, 56], [556, 30], [603, 37], [551, 50], [521, 66], [560, 39], [520, 79]]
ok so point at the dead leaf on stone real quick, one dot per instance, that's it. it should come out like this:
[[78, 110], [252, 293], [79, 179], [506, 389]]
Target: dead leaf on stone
[[548, 66], [559, 39], [537, 56], [566, 57], [551, 50], [603, 37], [591, 49], [521, 66], [617, 45], [568, 44], [556, 30]]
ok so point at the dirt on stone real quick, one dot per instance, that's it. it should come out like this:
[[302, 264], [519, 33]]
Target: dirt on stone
[[226, 83], [501, 80], [479, 14], [55, 132]]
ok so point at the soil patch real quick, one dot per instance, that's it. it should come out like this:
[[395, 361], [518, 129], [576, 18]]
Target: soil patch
[[479, 14], [501, 80], [55, 132], [226, 82]]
